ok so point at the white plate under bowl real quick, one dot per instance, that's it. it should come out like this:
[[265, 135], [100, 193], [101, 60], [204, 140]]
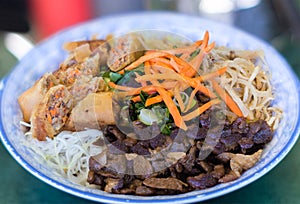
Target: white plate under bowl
[[46, 57]]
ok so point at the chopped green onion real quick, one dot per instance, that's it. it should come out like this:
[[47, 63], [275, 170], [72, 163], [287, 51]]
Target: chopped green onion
[[147, 116]]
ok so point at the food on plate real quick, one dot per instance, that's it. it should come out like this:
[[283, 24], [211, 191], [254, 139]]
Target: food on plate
[[185, 117]]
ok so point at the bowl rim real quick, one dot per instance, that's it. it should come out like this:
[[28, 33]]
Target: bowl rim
[[191, 196]]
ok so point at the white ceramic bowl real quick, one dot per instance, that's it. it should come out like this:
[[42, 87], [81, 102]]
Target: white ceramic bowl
[[47, 56]]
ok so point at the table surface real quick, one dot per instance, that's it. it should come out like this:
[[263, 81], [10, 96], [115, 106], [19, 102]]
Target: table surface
[[281, 185]]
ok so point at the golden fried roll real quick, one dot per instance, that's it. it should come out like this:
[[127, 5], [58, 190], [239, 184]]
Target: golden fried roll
[[35, 94], [51, 114], [124, 51], [93, 111]]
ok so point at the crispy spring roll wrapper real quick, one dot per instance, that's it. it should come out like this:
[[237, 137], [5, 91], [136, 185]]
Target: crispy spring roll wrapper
[[124, 50], [94, 111], [35, 94], [49, 117]]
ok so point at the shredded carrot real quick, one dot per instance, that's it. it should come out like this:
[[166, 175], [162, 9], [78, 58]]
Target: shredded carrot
[[200, 110], [153, 100], [209, 47], [172, 108], [174, 76], [146, 89], [211, 75], [136, 99], [198, 43], [191, 98], [122, 88], [178, 98], [149, 77], [197, 61], [145, 58], [176, 66], [147, 67], [205, 39], [161, 64], [227, 99], [185, 50], [143, 83], [171, 71], [194, 84]]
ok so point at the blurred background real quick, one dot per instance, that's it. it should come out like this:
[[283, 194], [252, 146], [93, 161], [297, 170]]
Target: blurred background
[[24, 23]]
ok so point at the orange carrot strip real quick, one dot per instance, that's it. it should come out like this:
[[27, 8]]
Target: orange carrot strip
[[161, 64], [185, 50], [153, 100], [165, 61], [178, 98], [145, 58], [200, 110], [184, 64], [198, 42], [175, 66], [179, 122], [143, 83], [136, 99], [205, 39], [130, 91], [170, 76], [147, 68], [209, 47], [191, 98], [122, 88], [227, 99], [211, 75], [193, 83], [146, 89], [197, 61]]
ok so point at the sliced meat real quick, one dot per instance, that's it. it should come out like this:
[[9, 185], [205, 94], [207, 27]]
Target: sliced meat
[[202, 181], [113, 184], [241, 162], [94, 111], [165, 183], [35, 94], [51, 114]]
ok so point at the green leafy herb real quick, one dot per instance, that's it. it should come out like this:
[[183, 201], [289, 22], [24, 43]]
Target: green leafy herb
[[114, 77], [143, 96], [166, 129]]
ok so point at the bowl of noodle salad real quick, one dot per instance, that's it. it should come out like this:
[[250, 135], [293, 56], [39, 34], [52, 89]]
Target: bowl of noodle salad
[[189, 114]]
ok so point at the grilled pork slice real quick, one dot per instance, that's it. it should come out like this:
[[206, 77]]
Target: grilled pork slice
[[93, 111], [51, 114], [35, 94]]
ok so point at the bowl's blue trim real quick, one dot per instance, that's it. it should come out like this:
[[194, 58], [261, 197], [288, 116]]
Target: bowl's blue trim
[[189, 198]]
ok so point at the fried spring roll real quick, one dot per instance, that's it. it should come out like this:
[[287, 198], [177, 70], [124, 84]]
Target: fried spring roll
[[50, 116], [94, 111], [35, 94]]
